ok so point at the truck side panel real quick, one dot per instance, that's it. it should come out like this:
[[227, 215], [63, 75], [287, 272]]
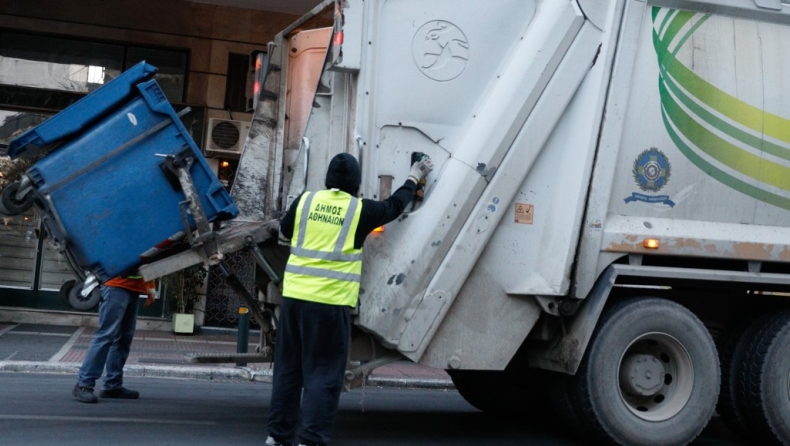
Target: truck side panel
[[406, 105], [489, 84], [530, 254], [702, 154]]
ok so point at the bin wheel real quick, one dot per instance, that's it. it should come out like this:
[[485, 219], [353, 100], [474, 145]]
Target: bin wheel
[[80, 303], [65, 289], [3, 210], [12, 205]]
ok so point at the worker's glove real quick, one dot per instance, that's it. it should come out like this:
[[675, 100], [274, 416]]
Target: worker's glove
[[421, 169]]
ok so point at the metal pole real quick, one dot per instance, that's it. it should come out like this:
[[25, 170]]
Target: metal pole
[[243, 334]]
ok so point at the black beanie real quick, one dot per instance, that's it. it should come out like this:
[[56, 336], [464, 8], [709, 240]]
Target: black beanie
[[343, 173]]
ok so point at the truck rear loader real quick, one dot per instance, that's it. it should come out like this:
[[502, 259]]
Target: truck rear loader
[[605, 233]]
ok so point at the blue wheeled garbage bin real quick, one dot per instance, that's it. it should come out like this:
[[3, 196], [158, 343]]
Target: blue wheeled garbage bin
[[79, 116], [102, 192]]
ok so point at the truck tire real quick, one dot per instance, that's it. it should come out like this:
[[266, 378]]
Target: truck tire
[[86, 303], [493, 392], [562, 404], [11, 204], [765, 385], [732, 348], [650, 375]]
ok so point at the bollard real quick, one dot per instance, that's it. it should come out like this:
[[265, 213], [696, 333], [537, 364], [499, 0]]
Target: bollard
[[243, 334]]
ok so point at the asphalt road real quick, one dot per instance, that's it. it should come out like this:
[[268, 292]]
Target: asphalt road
[[37, 409]]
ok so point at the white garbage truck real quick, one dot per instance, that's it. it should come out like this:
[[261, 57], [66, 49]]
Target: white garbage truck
[[606, 231]]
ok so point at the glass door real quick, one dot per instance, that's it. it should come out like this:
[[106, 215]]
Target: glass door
[[18, 249]]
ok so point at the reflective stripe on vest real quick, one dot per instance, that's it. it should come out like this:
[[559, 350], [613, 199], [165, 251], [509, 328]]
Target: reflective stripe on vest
[[324, 266]]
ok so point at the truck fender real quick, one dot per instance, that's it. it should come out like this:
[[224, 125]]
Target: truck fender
[[565, 352]]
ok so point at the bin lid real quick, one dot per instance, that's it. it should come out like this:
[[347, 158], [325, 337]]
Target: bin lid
[[81, 114]]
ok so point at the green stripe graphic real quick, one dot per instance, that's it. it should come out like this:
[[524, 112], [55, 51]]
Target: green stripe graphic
[[739, 121]]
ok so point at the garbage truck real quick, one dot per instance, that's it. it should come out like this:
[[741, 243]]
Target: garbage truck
[[604, 237]]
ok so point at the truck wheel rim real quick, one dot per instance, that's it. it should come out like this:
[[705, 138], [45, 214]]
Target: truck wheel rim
[[655, 376]]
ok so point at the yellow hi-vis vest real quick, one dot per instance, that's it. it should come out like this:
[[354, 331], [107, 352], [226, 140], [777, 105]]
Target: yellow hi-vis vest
[[323, 266]]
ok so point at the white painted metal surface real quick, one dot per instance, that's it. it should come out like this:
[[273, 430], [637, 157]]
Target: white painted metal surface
[[563, 135], [459, 83], [695, 146]]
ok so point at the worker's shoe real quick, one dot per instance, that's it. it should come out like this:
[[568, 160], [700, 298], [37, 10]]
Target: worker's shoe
[[270, 441], [84, 394], [120, 393]]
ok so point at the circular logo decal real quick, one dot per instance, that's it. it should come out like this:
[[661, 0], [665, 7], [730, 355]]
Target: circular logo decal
[[651, 170], [440, 50]]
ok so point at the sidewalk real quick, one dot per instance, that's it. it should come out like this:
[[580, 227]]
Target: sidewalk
[[43, 348]]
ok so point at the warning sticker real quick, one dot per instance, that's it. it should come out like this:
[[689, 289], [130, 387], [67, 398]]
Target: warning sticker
[[524, 213]]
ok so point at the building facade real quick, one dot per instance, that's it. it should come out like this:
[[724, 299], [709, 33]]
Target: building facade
[[52, 53]]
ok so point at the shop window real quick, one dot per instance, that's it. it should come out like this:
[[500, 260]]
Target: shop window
[[19, 242], [54, 269], [71, 65], [18, 246], [57, 64], [172, 67], [238, 85], [40, 75], [226, 171]]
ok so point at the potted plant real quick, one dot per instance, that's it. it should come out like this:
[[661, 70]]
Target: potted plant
[[183, 289]]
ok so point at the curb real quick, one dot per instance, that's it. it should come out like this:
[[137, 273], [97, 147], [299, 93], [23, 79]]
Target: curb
[[238, 374]]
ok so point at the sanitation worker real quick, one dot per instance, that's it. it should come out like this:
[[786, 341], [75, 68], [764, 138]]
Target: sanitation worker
[[326, 230], [112, 341]]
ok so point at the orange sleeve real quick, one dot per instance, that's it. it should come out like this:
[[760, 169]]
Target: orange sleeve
[[135, 285]]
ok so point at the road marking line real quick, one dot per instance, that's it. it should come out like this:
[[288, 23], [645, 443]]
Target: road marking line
[[11, 356], [103, 419], [67, 346], [5, 330]]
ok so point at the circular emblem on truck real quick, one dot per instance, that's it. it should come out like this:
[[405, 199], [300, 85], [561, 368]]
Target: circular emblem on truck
[[651, 170], [440, 50]]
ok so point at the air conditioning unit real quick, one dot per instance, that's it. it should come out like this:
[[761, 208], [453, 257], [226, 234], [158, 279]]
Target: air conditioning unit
[[226, 137]]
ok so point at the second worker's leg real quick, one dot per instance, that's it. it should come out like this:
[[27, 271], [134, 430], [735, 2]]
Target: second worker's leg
[[110, 320], [119, 350], [111, 312]]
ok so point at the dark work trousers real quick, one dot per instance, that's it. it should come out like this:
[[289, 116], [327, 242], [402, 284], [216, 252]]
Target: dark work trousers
[[310, 354]]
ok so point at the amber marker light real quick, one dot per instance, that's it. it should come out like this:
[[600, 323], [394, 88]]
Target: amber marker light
[[225, 164], [650, 243], [379, 229]]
